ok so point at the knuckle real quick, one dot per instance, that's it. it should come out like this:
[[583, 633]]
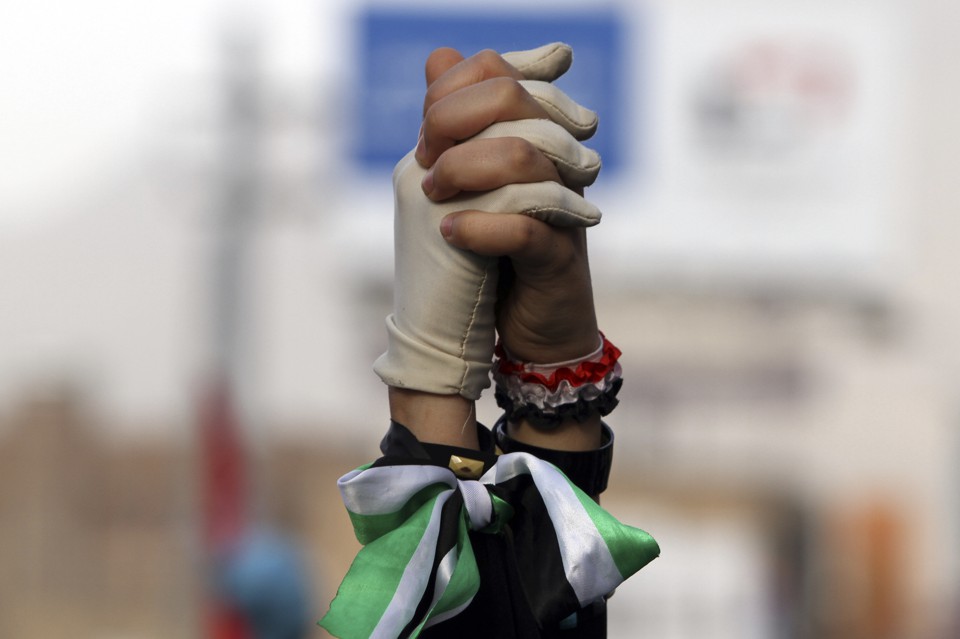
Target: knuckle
[[505, 88], [522, 153], [443, 178], [512, 89], [430, 97], [431, 119], [489, 59], [526, 233]]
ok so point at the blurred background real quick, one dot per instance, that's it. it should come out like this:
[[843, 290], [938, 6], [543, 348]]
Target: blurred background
[[196, 262]]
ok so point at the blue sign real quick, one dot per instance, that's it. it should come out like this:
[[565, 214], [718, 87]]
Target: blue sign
[[395, 44]]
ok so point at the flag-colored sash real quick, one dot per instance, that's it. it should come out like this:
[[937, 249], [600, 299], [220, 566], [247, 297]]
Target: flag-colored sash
[[417, 566]]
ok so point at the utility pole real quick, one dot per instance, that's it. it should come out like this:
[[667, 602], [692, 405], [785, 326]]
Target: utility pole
[[225, 473]]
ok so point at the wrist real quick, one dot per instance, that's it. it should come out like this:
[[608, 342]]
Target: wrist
[[569, 435], [555, 325], [564, 331], [565, 397], [544, 349], [440, 419], [588, 468]]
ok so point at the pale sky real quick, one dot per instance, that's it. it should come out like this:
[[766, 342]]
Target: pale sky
[[82, 80]]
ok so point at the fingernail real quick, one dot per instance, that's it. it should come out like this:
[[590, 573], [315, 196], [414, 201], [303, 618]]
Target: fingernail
[[446, 226], [427, 183]]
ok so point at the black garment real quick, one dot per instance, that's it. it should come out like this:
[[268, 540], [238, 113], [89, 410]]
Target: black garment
[[500, 609]]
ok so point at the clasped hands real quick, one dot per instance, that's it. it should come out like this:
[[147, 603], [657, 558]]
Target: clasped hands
[[493, 190]]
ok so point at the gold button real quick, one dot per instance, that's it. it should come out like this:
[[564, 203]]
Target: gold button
[[465, 467]]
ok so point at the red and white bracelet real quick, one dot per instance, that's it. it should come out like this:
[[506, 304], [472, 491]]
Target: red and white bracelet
[[546, 394]]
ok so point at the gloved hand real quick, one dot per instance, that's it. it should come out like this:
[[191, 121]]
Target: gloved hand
[[441, 332], [543, 65]]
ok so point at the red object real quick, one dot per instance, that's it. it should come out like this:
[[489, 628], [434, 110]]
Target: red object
[[224, 498], [223, 472], [585, 373]]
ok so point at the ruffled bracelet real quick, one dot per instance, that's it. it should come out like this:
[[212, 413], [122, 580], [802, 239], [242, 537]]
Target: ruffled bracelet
[[547, 394]]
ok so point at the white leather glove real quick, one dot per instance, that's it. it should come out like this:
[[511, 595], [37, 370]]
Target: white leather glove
[[543, 65], [441, 333]]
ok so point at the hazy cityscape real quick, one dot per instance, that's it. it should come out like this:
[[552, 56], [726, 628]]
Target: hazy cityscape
[[776, 261]]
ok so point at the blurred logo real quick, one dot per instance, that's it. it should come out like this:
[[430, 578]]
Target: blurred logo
[[774, 108], [395, 43]]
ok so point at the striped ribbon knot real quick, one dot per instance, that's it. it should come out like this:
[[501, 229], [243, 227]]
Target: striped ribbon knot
[[477, 502], [417, 565]]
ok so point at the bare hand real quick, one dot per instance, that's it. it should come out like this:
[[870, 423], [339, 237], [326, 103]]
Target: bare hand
[[546, 310]]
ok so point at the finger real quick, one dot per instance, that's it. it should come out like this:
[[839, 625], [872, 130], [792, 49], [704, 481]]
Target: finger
[[482, 66], [545, 63], [539, 251], [439, 62], [577, 165], [548, 202], [495, 234], [470, 110], [545, 201], [579, 121], [487, 164]]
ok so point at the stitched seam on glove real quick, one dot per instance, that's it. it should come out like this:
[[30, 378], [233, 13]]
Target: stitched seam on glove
[[546, 56], [466, 332], [533, 211], [553, 109], [557, 159]]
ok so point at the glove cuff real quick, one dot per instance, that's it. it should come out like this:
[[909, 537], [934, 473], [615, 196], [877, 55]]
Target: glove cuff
[[411, 364]]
